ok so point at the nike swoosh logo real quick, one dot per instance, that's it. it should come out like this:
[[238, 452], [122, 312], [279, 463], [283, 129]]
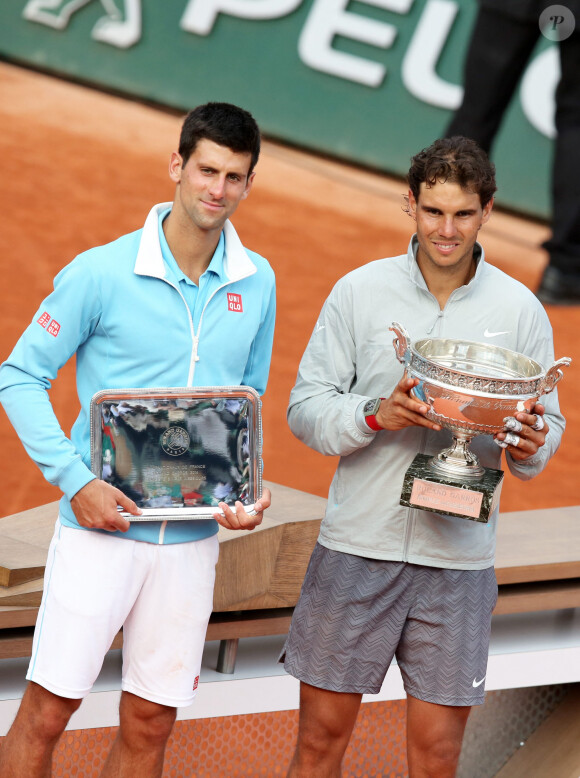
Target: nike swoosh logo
[[489, 334], [478, 683]]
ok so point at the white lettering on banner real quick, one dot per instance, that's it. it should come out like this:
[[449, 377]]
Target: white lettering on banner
[[329, 18], [420, 60], [200, 15], [121, 27], [538, 91], [117, 28]]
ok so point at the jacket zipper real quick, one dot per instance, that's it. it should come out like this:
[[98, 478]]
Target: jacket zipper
[[194, 355], [192, 362]]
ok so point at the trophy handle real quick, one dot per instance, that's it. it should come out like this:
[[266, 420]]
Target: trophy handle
[[554, 375], [401, 343]]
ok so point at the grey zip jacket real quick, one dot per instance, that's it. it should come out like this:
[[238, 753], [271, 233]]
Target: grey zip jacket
[[350, 359]]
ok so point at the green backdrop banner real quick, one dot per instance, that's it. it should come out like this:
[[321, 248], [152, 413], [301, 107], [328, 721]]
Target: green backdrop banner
[[368, 81]]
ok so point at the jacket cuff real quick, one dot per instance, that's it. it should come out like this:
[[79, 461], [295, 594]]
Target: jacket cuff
[[76, 475]]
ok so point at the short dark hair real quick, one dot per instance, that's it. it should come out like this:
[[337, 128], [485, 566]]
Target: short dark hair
[[224, 124], [458, 160]]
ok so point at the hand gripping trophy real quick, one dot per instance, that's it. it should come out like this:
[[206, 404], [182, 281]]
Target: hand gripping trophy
[[470, 389]]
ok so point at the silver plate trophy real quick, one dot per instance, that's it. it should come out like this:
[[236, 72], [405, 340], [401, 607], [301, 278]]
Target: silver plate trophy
[[469, 388], [179, 452]]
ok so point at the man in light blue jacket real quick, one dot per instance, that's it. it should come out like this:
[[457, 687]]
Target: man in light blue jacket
[[178, 303]]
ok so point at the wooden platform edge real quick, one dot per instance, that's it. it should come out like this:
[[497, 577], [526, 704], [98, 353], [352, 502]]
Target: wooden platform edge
[[17, 641], [538, 596]]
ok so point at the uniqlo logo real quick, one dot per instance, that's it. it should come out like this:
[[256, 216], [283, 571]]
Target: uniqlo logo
[[196, 683], [235, 302], [50, 325], [44, 319], [53, 327]]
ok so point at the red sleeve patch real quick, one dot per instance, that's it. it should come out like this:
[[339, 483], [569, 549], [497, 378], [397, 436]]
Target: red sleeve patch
[[54, 327], [44, 319]]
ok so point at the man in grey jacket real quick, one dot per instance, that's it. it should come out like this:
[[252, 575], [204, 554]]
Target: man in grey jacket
[[385, 580]]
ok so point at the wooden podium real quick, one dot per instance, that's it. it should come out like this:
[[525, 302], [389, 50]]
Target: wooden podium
[[259, 573], [258, 576]]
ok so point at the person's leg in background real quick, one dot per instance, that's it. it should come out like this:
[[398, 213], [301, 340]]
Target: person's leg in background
[[498, 52], [561, 280]]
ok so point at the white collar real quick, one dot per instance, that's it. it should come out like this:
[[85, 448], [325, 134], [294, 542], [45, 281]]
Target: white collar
[[149, 261]]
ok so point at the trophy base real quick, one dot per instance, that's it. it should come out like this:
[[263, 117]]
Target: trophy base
[[427, 490]]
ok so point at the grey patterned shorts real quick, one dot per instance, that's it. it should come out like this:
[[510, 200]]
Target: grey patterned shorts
[[355, 614]]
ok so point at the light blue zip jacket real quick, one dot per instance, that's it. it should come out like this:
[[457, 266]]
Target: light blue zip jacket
[[119, 308]]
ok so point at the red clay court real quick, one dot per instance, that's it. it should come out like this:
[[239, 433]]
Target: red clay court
[[80, 168]]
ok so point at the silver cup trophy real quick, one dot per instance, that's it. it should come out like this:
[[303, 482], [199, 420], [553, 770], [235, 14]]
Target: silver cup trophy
[[470, 388]]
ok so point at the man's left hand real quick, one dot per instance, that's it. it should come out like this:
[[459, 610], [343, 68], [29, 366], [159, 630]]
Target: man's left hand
[[524, 433], [239, 519]]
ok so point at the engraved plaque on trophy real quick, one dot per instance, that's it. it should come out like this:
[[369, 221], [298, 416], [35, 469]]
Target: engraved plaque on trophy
[[469, 388], [179, 452]]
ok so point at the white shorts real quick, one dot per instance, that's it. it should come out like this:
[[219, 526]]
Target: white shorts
[[162, 596]]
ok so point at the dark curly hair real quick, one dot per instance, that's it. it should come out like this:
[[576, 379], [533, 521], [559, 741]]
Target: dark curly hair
[[458, 160]]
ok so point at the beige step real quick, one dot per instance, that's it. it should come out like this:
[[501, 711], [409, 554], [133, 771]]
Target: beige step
[[24, 541], [259, 569], [553, 750]]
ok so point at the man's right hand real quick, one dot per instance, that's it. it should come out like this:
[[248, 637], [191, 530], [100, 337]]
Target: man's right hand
[[95, 507], [401, 410]]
